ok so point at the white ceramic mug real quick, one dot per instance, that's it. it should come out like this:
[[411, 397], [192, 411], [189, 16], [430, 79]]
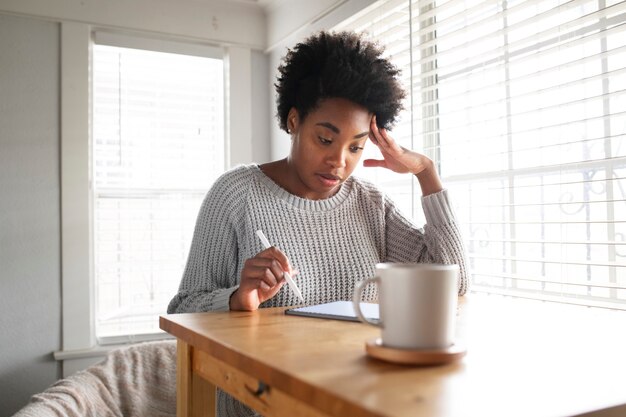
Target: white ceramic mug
[[417, 304]]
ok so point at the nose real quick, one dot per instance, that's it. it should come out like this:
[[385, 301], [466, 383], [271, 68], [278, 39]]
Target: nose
[[336, 158]]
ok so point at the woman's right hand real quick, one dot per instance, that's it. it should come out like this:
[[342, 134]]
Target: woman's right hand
[[261, 278]]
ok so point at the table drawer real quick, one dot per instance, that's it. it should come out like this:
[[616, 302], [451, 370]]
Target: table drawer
[[266, 400]]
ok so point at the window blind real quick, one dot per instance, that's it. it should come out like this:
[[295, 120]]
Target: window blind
[[157, 147], [522, 104]]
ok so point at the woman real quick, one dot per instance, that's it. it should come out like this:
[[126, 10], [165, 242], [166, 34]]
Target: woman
[[334, 93]]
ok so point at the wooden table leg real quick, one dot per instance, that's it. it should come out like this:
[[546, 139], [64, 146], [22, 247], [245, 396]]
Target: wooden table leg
[[195, 397]]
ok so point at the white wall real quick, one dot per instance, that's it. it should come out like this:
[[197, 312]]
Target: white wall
[[30, 252], [220, 22], [261, 114]]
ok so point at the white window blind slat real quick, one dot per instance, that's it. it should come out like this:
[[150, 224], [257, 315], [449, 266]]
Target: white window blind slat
[[490, 43], [469, 61], [538, 82], [523, 107], [546, 280], [378, 15], [547, 242]]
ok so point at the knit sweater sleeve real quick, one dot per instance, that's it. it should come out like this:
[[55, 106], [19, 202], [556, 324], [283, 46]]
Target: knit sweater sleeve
[[210, 275], [439, 242]]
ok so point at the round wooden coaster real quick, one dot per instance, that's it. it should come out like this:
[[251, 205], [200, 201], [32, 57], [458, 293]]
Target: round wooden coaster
[[376, 349]]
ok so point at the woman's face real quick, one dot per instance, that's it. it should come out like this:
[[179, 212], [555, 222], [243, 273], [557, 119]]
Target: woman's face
[[326, 146]]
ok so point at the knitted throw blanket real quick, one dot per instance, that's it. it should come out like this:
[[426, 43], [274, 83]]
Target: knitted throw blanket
[[137, 381]]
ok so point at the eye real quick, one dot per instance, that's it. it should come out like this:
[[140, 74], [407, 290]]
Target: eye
[[355, 149], [325, 141]]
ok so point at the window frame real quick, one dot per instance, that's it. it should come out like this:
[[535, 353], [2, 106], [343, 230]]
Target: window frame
[[103, 192], [80, 345]]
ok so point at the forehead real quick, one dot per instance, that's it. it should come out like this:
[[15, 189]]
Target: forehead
[[342, 113]]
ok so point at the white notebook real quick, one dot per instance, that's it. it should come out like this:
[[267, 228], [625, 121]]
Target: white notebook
[[337, 310]]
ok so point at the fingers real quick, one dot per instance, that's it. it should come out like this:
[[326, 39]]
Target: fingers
[[374, 163], [280, 257], [381, 138], [378, 138], [374, 133], [266, 270], [269, 292], [389, 142]]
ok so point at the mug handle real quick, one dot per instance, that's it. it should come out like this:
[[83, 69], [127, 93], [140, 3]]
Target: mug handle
[[356, 301]]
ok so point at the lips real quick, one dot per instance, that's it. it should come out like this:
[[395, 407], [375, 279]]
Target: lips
[[329, 180]]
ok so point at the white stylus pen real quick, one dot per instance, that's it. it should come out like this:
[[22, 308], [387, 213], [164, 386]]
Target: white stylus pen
[[288, 278]]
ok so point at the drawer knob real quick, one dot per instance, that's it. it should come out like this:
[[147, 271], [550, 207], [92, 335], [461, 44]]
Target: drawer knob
[[262, 388]]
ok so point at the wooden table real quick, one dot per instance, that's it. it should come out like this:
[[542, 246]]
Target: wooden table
[[525, 358]]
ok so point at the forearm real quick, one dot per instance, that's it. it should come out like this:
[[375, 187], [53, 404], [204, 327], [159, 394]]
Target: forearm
[[443, 236], [191, 301], [445, 246]]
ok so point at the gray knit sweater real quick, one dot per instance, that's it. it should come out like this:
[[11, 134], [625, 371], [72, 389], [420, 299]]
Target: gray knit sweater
[[333, 243]]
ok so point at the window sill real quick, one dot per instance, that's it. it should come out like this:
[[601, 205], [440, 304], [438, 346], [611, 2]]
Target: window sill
[[106, 345]]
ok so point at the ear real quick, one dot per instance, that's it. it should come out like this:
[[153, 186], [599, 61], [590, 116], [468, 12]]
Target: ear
[[293, 120]]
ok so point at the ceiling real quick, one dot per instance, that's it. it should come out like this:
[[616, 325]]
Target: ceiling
[[262, 4]]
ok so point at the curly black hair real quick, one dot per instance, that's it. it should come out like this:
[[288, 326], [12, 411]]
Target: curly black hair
[[338, 65]]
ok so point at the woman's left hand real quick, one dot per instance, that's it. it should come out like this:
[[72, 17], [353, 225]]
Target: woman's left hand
[[402, 160]]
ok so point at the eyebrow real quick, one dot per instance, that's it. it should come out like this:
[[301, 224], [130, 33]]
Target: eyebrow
[[335, 129]]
